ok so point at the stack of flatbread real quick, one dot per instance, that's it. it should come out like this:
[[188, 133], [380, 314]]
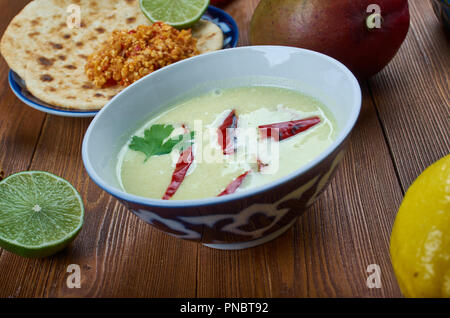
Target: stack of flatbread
[[48, 49]]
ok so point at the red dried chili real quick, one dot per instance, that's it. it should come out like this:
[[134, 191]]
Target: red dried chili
[[289, 128], [233, 186], [181, 169], [226, 139]]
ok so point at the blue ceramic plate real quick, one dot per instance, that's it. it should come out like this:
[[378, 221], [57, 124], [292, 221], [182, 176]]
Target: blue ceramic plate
[[442, 10], [216, 15]]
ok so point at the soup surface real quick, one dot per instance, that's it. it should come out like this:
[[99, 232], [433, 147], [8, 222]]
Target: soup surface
[[246, 156]]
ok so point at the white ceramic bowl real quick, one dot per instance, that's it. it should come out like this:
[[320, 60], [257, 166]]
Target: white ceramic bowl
[[247, 218]]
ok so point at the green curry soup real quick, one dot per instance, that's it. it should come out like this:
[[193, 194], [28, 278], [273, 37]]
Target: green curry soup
[[245, 157]]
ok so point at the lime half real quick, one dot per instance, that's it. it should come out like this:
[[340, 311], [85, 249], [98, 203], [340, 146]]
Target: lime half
[[177, 13], [40, 214]]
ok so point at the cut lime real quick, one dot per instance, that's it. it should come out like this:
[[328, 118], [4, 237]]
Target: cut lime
[[177, 13], [40, 213]]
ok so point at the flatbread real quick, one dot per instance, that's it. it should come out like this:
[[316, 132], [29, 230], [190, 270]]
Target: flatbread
[[209, 36], [50, 57]]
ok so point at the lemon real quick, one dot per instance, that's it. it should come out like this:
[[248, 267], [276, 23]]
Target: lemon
[[420, 239], [40, 213]]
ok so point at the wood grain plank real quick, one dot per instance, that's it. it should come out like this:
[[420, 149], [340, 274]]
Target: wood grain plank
[[20, 126], [324, 255], [327, 252], [412, 96], [119, 255]]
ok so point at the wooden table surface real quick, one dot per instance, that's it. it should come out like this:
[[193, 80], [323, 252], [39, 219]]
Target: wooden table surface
[[403, 128]]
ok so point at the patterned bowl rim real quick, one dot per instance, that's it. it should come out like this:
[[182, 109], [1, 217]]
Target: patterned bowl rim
[[344, 133], [19, 89]]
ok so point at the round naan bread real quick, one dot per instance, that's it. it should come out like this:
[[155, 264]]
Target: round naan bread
[[209, 36], [50, 56]]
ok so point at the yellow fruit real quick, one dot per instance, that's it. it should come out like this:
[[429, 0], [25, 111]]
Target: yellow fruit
[[420, 240]]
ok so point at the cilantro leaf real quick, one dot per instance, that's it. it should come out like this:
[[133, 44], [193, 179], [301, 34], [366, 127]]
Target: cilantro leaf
[[153, 142]]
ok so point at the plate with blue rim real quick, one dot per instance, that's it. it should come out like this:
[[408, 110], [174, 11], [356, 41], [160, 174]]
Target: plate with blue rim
[[18, 85], [442, 10]]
